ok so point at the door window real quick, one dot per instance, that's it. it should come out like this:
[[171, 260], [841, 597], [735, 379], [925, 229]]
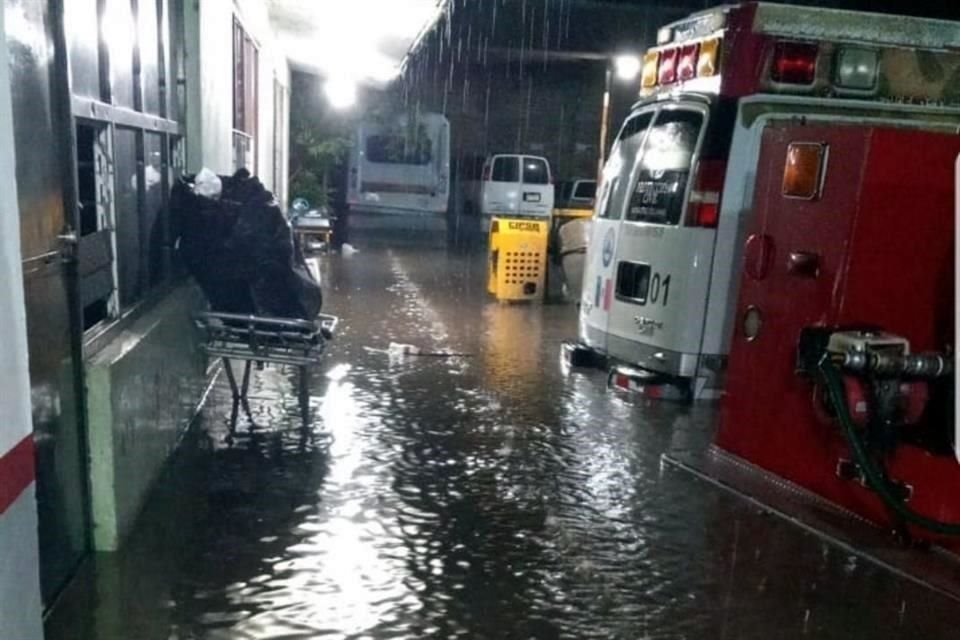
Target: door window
[[586, 190], [607, 210], [535, 171], [623, 156], [661, 182], [506, 169], [398, 149]]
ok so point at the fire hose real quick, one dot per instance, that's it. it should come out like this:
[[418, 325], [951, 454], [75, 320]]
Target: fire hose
[[874, 474]]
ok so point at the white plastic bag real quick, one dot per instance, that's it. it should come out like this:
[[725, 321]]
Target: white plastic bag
[[208, 184], [398, 349]]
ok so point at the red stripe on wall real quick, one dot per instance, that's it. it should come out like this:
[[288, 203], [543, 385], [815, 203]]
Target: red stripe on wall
[[16, 472]]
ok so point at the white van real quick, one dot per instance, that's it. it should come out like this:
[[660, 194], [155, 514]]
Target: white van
[[513, 185]]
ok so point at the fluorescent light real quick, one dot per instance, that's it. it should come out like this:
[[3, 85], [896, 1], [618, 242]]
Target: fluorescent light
[[363, 40]]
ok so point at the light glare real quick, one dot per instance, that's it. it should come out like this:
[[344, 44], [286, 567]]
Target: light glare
[[627, 67], [341, 93]]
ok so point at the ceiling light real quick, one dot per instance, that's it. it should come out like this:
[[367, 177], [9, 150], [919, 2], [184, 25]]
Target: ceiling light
[[341, 93]]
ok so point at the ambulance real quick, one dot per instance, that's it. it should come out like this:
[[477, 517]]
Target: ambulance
[[668, 240]]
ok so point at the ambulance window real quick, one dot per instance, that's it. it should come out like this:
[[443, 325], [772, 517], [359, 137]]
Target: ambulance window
[[617, 171], [607, 210], [657, 195], [506, 169], [635, 125]]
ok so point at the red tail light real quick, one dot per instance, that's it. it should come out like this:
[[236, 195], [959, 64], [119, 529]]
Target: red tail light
[[687, 65], [668, 66], [704, 205], [795, 63], [706, 214], [486, 173]]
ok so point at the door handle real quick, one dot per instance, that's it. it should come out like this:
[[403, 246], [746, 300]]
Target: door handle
[[803, 264], [69, 245], [758, 255]]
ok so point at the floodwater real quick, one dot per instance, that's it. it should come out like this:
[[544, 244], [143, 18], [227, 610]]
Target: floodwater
[[484, 496]]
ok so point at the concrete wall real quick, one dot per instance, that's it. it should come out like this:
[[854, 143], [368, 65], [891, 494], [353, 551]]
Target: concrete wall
[[20, 607], [210, 84], [144, 386], [143, 389]]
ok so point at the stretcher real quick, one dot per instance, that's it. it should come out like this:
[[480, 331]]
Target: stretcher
[[313, 232], [264, 340]]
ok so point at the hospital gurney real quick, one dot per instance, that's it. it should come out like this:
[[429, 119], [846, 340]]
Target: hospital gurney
[[264, 340]]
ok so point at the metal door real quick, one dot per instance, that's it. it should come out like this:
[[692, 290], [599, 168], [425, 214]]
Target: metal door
[[536, 192], [662, 264], [794, 261], [51, 302], [871, 245], [501, 191]]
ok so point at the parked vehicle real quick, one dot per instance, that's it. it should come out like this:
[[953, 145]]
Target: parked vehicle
[[400, 166], [579, 193], [677, 190], [570, 231], [511, 185]]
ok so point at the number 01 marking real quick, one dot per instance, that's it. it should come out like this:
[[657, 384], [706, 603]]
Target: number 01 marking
[[659, 285]]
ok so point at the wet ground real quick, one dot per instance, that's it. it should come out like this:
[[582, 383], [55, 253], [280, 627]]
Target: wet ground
[[488, 496]]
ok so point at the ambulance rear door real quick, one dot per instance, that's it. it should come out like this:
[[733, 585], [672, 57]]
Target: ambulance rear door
[[661, 269], [597, 290]]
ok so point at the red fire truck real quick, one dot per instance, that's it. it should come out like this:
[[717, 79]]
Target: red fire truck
[[840, 375], [783, 195]]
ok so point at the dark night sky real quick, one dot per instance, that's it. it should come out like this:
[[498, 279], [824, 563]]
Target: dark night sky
[[608, 25], [949, 9]]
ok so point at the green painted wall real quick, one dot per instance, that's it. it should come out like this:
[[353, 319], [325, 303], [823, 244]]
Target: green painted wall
[[142, 391]]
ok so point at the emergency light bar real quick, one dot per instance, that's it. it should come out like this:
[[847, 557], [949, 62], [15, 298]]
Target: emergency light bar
[[681, 64], [794, 63], [801, 50]]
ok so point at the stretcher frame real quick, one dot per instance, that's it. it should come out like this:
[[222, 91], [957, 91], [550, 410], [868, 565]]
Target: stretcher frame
[[264, 340]]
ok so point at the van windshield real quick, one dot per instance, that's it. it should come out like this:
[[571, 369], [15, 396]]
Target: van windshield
[[664, 167]]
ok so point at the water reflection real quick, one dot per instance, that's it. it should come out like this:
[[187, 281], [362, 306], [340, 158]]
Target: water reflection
[[483, 497]]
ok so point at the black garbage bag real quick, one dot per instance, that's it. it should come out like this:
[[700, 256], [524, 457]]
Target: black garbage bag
[[240, 250]]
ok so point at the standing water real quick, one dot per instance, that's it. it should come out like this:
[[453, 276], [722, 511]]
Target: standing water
[[487, 495]]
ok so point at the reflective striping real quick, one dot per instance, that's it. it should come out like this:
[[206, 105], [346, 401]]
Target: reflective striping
[[16, 472], [704, 197]]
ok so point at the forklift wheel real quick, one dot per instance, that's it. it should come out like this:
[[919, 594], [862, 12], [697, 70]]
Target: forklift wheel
[[579, 355]]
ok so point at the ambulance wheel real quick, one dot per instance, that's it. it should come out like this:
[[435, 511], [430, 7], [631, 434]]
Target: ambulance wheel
[[578, 355]]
